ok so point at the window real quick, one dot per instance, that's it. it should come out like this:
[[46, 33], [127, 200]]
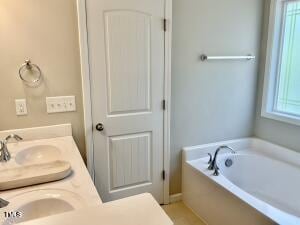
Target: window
[[281, 98]]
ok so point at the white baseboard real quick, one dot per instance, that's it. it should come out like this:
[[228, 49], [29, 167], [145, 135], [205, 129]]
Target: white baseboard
[[175, 198]]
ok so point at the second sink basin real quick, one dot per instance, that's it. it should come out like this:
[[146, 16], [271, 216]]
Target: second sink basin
[[38, 154], [41, 203]]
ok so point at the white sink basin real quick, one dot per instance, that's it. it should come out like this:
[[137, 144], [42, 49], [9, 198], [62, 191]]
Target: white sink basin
[[41, 203], [38, 154], [33, 174]]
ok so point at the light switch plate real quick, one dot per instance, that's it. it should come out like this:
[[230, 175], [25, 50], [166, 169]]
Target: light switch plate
[[21, 107], [61, 104]]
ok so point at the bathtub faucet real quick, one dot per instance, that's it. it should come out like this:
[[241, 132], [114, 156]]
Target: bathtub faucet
[[213, 164]]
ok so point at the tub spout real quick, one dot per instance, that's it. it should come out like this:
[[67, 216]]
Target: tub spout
[[213, 164]]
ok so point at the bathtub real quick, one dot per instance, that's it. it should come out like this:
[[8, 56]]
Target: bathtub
[[262, 186]]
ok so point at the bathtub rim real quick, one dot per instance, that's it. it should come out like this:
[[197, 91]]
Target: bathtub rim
[[260, 146], [190, 156]]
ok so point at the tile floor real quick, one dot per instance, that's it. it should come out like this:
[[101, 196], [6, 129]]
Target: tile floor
[[182, 215]]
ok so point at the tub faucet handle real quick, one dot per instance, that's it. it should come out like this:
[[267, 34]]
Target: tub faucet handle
[[216, 172], [210, 158]]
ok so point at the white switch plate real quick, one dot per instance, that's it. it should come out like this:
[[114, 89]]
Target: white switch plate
[[21, 107], [61, 104]]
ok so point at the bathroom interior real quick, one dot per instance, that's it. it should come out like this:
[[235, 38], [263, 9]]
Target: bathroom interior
[[187, 114]]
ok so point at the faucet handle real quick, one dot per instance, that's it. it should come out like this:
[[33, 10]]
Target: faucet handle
[[216, 172], [210, 158], [13, 136]]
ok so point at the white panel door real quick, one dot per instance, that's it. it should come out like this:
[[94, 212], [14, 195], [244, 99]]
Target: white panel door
[[126, 54]]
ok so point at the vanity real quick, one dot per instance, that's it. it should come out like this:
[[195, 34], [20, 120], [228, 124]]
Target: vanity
[[72, 198], [40, 146]]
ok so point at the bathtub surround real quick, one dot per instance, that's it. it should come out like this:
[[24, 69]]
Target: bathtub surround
[[213, 100], [233, 192], [275, 131], [45, 32]]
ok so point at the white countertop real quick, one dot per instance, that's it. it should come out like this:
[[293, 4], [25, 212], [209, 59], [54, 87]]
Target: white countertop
[[78, 182], [136, 210], [78, 188]]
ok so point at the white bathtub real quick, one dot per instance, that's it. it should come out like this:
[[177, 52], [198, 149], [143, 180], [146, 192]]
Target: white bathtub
[[261, 187]]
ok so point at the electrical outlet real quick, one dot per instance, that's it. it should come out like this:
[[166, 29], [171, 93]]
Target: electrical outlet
[[61, 104], [21, 107]]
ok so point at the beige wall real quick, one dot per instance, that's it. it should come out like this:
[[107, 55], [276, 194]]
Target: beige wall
[[46, 32]]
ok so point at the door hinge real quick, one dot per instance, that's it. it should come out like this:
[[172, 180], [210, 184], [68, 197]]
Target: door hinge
[[164, 105], [163, 175], [165, 24]]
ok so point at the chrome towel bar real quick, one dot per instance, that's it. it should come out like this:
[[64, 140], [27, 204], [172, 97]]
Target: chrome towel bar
[[205, 57]]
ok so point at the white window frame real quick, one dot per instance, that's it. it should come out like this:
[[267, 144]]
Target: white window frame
[[272, 67]]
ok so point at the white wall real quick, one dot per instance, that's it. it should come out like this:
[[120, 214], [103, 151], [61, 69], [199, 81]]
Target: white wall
[[212, 101], [277, 132]]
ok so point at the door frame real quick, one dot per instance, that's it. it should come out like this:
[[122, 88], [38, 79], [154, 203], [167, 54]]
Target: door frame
[[87, 97]]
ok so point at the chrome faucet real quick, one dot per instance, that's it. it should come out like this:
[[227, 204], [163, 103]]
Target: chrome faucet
[[5, 155], [213, 163], [3, 203]]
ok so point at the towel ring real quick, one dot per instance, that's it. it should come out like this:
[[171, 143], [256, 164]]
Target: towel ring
[[29, 66]]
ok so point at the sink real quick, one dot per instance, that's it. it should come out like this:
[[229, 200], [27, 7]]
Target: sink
[[33, 174], [38, 154], [41, 203]]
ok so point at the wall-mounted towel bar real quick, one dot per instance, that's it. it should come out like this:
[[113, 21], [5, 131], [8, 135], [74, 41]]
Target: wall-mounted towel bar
[[205, 57]]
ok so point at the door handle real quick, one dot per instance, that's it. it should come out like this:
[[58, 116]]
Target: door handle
[[99, 127]]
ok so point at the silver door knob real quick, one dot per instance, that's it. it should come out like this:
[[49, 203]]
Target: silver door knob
[[99, 127]]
